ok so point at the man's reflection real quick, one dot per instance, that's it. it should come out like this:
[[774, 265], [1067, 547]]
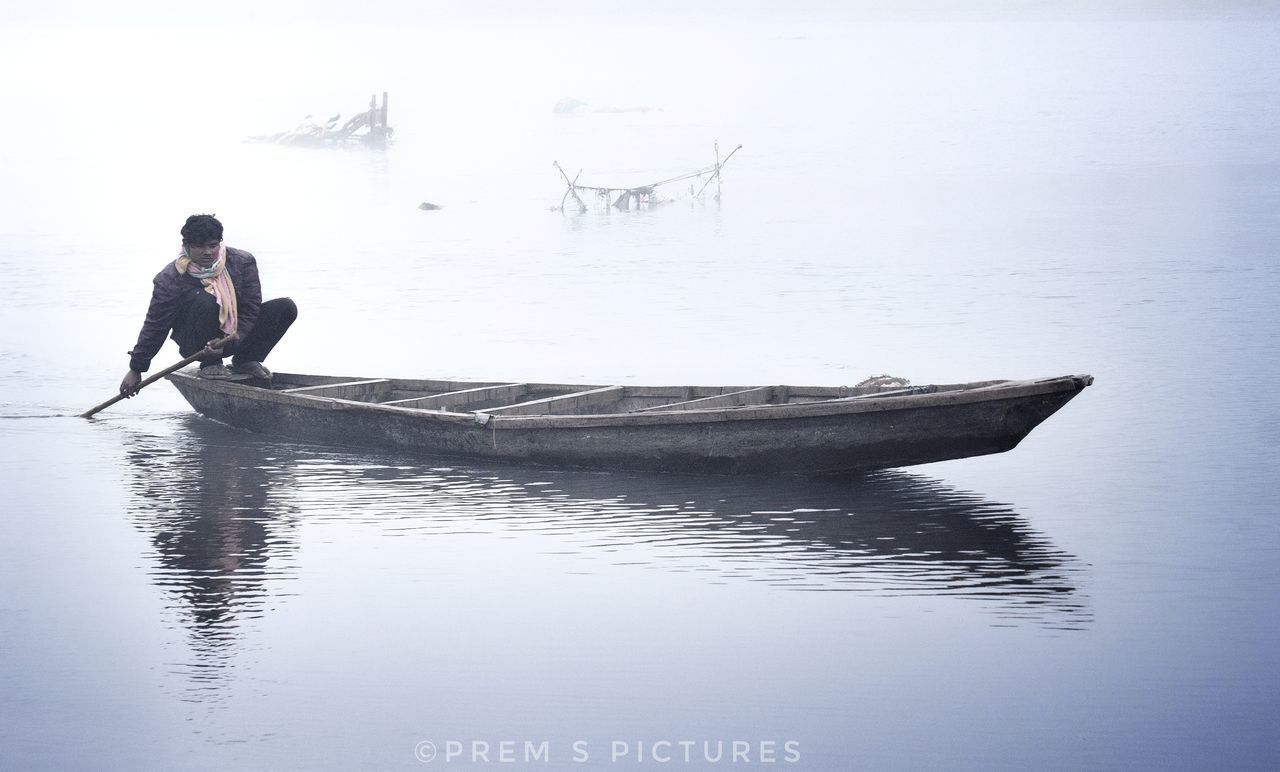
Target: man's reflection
[[204, 497]]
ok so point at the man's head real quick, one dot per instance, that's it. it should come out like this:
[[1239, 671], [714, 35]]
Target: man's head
[[201, 238]]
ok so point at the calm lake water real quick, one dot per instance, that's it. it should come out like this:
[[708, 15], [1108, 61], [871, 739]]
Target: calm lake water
[[952, 196]]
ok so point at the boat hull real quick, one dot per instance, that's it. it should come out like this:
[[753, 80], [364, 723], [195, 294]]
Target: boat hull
[[823, 438]]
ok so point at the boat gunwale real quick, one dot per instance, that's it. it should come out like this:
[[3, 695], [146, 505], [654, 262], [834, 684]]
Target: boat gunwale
[[948, 394]]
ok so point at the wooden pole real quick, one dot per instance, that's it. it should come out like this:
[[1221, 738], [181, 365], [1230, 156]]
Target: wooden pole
[[717, 170], [573, 187], [211, 347], [719, 165]]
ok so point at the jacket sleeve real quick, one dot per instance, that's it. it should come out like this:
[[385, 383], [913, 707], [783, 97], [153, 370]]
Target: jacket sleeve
[[160, 317], [248, 298]]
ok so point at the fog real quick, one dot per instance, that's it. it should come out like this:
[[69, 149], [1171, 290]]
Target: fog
[[148, 95], [941, 191]]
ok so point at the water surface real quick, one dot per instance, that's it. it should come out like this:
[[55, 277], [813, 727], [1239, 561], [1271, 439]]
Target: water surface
[[977, 193]]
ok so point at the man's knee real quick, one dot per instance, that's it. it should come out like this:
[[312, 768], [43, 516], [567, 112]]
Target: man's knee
[[284, 308]]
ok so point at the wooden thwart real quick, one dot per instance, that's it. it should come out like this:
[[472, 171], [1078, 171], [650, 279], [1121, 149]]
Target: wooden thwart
[[463, 397], [761, 395], [347, 390], [563, 403]]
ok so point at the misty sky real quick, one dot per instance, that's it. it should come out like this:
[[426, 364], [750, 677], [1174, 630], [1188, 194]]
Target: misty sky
[[302, 12]]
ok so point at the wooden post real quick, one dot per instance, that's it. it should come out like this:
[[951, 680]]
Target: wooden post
[[717, 171], [573, 188]]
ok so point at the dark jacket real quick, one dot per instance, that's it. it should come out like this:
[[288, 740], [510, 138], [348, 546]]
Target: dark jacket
[[171, 291]]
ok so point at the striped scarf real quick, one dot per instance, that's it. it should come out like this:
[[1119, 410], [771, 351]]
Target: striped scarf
[[217, 282]]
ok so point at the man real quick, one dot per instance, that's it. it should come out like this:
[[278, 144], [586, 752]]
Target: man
[[210, 292]]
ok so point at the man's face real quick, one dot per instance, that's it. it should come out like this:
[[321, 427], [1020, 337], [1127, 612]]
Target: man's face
[[203, 255]]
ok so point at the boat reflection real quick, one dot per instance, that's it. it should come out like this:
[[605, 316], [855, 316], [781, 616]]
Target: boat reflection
[[223, 507], [890, 533]]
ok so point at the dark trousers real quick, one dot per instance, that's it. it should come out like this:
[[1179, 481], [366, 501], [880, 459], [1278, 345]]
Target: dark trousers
[[197, 324]]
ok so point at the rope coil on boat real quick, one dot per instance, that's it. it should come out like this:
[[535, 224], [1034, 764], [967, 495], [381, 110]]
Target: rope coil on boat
[[883, 380]]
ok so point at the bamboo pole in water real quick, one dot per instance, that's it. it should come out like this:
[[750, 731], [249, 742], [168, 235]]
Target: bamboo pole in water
[[211, 347]]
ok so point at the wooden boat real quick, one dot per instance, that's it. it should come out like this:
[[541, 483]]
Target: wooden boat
[[693, 429]]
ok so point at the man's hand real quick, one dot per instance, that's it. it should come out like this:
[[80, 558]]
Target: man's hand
[[217, 346], [129, 386]]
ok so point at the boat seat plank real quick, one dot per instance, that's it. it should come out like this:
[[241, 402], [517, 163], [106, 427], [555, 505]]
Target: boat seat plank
[[463, 396], [562, 403], [344, 390], [909, 391], [436, 386], [759, 395]]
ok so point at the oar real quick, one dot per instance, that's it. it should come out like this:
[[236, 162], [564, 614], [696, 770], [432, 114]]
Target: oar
[[212, 347]]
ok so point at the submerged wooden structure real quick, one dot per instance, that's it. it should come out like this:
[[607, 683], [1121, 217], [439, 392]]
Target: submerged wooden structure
[[642, 195], [688, 429], [368, 127]]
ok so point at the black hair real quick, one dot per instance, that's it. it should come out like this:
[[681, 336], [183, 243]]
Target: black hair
[[201, 229]]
